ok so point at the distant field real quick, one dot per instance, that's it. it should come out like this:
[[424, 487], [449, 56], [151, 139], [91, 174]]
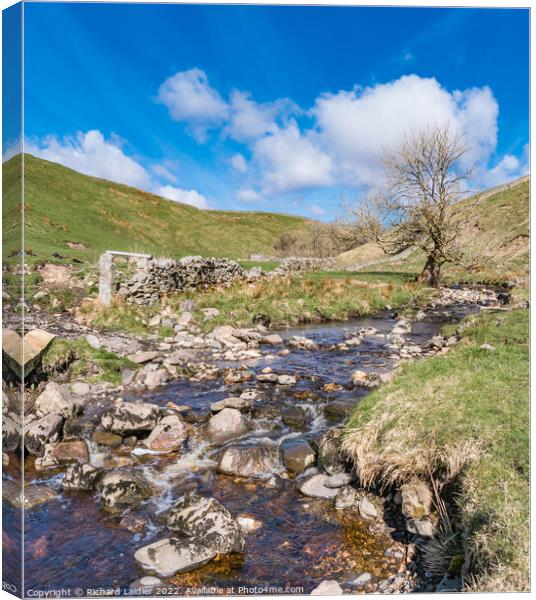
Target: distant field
[[79, 217]]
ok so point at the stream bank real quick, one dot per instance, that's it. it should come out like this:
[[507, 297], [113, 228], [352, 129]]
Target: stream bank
[[271, 463]]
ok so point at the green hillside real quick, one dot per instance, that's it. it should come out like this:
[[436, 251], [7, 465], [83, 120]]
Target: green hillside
[[79, 217], [494, 235]]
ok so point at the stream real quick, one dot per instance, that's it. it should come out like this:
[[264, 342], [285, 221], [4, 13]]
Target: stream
[[71, 542]]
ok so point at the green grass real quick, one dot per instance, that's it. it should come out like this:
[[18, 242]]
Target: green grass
[[285, 301], [63, 206], [367, 276], [268, 265], [83, 361], [462, 416]]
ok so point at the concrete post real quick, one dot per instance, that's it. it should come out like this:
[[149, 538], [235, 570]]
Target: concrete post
[[106, 280]]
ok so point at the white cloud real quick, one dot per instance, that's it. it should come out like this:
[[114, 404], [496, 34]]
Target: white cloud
[[190, 98], [250, 120], [164, 172], [289, 160], [248, 195], [176, 194], [316, 210], [355, 127], [11, 148], [510, 167], [92, 154], [238, 162]]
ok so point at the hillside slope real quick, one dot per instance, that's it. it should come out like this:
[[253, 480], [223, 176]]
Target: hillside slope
[[64, 207], [494, 231]]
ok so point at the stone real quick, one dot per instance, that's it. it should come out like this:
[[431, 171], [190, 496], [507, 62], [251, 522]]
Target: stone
[[359, 377], [227, 336], [329, 455], [416, 500], [61, 454], [18, 353], [55, 399], [208, 520], [170, 556], [424, 527], [487, 347], [267, 378], [168, 435], [80, 388], [238, 403], [303, 343], [10, 431], [297, 455], [294, 416], [327, 588], [140, 358], [340, 408], [122, 488], [361, 580], [93, 341], [227, 424], [107, 438], [42, 431], [346, 497], [154, 321], [81, 477], [131, 416], [272, 339], [155, 379], [188, 306], [402, 326], [339, 480], [127, 376], [210, 313], [40, 295], [315, 487], [366, 509], [248, 524], [286, 380], [185, 319], [246, 461]]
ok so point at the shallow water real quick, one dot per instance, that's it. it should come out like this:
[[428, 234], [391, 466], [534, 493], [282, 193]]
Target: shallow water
[[71, 542]]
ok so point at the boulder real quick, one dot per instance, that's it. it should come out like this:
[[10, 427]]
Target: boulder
[[327, 588], [267, 378], [246, 461], [61, 454], [168, 435], [122, 488], [80, 388], [315, 487], [297, 455], [272, 339], [286, 380], [416, 500], [346, 497], [238, 403], [340, 408], [170, 556], [39, 432], [131, 416], [208, 520], [227, 424], [227, 336], [143, 357], [366, 509], [155, 379], [10, 431], [56, 399], [81, 477], [303, 343], [93, 341], [329, 454], [107, 438], [339, 480], [294, 416]]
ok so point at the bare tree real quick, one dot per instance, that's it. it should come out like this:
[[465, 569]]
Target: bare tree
[[423, 182]]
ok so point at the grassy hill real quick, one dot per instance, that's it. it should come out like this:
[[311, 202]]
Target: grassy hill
[[494, 231], [79, 217]]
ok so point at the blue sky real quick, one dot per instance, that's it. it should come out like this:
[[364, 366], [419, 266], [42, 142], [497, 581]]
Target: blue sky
[[269, 108]]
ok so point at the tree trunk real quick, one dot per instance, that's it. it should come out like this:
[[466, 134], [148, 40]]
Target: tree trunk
[[431, 274]]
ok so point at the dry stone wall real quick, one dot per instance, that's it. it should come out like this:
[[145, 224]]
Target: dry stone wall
[[301, 264], [160, 276]]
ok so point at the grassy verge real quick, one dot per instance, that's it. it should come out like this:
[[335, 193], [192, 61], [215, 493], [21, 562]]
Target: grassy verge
[[284, 301], [463, 416], [84, 361]]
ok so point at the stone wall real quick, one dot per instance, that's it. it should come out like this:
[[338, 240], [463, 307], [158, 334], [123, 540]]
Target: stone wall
[[161, 276], [300, 264]]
